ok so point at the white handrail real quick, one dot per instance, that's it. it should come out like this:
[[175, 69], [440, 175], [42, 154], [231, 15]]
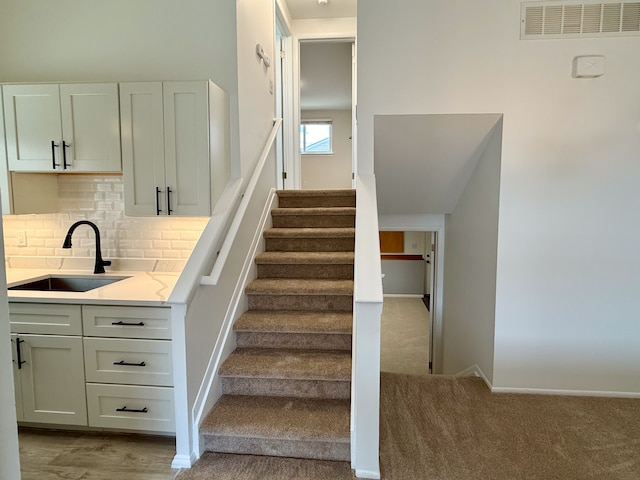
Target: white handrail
[[213, 278]]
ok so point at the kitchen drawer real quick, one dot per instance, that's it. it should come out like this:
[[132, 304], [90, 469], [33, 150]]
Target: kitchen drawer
[[130, 408], [45, 318], [126, 322], [134, 362]]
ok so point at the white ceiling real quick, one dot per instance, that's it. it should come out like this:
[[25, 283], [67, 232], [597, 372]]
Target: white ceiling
[[423, 162], [325, 75], [300, 9]]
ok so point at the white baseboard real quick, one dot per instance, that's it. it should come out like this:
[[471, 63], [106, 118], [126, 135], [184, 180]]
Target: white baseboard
[[403, 295], [575, 393], [183, 461], [475, 371], [368, 474]]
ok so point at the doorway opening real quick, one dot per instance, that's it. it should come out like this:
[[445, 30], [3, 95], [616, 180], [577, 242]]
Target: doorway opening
[[326, 99], [408, 259]]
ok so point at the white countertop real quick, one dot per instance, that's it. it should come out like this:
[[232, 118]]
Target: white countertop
[[140, 288]]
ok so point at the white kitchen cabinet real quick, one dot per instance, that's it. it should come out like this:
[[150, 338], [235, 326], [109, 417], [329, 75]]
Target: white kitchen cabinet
[[105, 366], [50, 376], [175, 147], [5, 181], [63, 128], [48, 363]]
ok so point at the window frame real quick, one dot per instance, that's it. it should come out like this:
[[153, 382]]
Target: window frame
[[316, 121]]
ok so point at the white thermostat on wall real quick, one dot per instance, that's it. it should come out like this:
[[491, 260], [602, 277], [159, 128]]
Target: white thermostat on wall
[[588, 66]]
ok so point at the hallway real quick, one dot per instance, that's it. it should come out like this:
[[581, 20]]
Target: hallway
[[404, 339]]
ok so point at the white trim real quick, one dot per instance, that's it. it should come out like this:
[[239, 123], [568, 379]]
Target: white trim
[[575, 393], [367, 474], [475, 371], [403, 295], [183, 461]]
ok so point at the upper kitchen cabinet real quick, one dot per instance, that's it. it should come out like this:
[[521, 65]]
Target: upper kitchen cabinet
[[175, 147], [66, 128]]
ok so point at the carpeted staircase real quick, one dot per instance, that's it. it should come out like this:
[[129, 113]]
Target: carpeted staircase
[[286, 387]]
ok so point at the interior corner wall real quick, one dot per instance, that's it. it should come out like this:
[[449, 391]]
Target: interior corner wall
[[330, 170], [471, 242], [121, 40], [566, 306]]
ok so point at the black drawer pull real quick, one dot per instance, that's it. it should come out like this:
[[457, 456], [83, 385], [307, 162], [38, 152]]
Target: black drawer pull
[[132, 410], [125, 324], [122, 362]]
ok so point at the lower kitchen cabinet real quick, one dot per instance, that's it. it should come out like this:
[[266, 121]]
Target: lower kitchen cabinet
[[49, 379], [101, 366], [130, 407]]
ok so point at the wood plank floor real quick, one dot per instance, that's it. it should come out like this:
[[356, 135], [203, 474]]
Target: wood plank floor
[[54, 455]]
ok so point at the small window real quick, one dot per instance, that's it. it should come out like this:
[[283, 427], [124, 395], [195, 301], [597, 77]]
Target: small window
[[315, 137]]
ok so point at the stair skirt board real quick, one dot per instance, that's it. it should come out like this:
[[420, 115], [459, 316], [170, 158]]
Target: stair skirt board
[[286, 388], [211, 389]]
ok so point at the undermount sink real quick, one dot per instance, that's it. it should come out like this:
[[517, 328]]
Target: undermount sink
[[66, 284]]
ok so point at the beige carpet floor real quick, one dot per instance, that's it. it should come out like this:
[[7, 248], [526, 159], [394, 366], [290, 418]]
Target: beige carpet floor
[[445, 428], [404, 336]]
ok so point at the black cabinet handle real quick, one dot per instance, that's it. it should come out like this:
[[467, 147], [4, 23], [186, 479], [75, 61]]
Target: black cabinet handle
[[158, 210], [125, 324], [122, 362], [65, 145], [20, 361], [133, 410], [169, 201], [54, 145]]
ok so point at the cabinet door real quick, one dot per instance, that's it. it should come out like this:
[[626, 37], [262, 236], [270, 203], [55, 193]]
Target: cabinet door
[[17, 387], [91, 127], [32, 122], [142, 127], [5, 184], [52, 379], [186, 146]]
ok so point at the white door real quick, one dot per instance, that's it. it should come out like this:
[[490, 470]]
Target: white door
[[52, 379], [91, 127], [354, 114], [33, 127], [142, 127], [186, 146]]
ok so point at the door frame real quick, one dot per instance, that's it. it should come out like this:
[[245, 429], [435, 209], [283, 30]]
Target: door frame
[[435, 224], [284, 99]]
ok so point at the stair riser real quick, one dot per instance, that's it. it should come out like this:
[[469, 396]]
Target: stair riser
[[305, 303], [279, 387], [313, 221], [278, 447], [339, 272], [313, 341], [310, 244], [317, 201]]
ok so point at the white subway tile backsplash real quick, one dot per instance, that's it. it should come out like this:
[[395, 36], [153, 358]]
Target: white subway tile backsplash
[[100, 198]]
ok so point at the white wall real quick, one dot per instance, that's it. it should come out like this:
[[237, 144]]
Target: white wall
[[566, 311], [331, 170], [9, 456], [256, 90], [119, 40], [471, 243]]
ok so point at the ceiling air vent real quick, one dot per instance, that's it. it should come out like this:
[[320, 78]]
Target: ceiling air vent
[[553, 19]]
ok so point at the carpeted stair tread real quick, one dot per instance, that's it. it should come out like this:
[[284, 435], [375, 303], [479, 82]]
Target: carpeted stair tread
[[310, 232], [317, 198], [288, 364], [331, 258], [314, 211], [300, 286], [282, 418], [295, 322]]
